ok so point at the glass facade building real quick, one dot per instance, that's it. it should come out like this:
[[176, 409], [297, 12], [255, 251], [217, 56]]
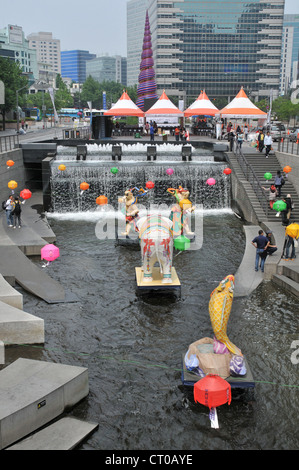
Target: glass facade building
[[73, 64], [289, 53], [217, 46], [136, 11]]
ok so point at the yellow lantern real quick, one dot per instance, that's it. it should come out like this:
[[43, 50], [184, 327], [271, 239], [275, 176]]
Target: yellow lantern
[[61, 167], [12, 184], [185, 204]]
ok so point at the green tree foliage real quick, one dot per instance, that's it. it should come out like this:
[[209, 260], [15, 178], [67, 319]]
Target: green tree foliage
[[282, 108], [11, 75], [92, 90]]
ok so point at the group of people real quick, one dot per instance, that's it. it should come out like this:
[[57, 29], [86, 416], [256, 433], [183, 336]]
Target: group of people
[[13, 211], [240, 135], [264, 141], [275, 192], [264, 247]]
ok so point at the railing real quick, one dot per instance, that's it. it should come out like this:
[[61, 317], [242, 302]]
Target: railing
[[78, 133], [9, 142], [288, 146], [252, 178]]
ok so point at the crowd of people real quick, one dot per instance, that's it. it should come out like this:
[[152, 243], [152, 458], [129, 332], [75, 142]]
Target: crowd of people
[[13, 211]]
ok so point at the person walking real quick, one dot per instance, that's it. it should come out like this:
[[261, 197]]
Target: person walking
[[261, 244], [246, 132], [8, 211], [16, 212], [270, 249], [290, 244], [152, 132], [272, 194], [240, 139], [260, 141], [268, 143], [278, 182]]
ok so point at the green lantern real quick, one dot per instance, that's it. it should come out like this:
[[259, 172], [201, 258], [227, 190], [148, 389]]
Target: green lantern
[[279, 206], [114, 170], [268, 176], [181, 243]]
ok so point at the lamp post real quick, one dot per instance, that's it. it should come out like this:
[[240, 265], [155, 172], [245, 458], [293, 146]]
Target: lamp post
[[18, 114]]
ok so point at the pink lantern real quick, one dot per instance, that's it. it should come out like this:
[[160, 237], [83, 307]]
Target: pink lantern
[[49, 252], [169, 171], [211, 181]]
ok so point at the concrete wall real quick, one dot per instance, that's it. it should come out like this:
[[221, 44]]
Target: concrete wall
[[240, 201], [292, 161], [16, 173]]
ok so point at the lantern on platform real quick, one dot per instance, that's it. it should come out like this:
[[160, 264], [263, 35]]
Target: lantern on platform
[[50, 253], [102, 200], [227, 171], [149, 185], [114, 170], [287, 169], [268, 176], [169, 171], [211, 181], [12, 185], [84, 186], [212, 391], [10, 163], [25, 194], [181, 243], [61, 167], [279, 206]]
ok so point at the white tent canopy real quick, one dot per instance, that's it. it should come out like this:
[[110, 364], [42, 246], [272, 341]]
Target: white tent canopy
[[164, 106], [124, 107], [201, 107], [242, 107]]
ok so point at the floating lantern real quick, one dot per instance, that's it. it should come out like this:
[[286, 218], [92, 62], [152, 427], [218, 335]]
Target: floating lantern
[[150, 185], [169, 171], [268, 176], [10, 163], [12, 185], [49, 253], [287, 169], [114, 170], [84, 186], [181, 243], [25, 194], [211, 181], [212, 391], [279, 206], [227, 171], [61, 167], [102, 200]]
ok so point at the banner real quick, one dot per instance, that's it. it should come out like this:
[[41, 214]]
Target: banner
[[51, 92]]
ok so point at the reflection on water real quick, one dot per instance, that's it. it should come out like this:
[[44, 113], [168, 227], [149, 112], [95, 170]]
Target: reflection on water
[[132, 346]]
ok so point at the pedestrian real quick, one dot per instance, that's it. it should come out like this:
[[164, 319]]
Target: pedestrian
[[152, 132], [290, 243], [8, 211], [147, 126], [240, 139], [278, 182], [268, 143], [261, 244], [177, 134], [238, 130], [260, 141], [246, 132], [231, 139], [16, 212], [290, 205], [272, 195]]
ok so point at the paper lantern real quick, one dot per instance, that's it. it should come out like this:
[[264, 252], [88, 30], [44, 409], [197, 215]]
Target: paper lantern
[[61, 167], [212, 391], [12, 184], [227, 171], [84, 186], [268, 176], [181, 243], [279, 206], [49, 252], [114, 170], [169, 171], [10, 163], [150, 185], [185, 204], [211, 181], [25, 194], [287, 169], [102, 200]]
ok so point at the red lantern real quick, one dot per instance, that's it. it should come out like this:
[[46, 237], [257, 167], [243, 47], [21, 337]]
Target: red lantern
[[102, 200], [227, 171], [84, 186], [25, 194], [212, 391], [150, 185]]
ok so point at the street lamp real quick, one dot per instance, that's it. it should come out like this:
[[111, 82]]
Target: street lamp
[[18, 114]]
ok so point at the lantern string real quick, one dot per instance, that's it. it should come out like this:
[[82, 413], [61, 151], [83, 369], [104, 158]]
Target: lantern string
[[141, 364]]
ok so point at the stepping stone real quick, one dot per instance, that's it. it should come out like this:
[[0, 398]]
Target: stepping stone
[[19, 327]]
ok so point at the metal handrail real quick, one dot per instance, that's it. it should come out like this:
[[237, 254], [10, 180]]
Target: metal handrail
[[9, 142], [288, 146], [252, 178]]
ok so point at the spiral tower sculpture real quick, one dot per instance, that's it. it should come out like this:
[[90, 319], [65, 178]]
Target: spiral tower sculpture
[[147, 86]]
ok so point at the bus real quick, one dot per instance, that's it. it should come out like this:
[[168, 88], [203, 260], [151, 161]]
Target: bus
[[73, 113], [95, 112], [33, 113]]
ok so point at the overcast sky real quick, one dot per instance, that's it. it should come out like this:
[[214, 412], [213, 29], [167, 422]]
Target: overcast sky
[[98, 26]]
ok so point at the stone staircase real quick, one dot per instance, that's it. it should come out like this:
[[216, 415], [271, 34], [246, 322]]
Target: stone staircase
[[287, 276]]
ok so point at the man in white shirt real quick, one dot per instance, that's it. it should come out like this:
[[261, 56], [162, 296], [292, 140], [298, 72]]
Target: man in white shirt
[[8, 209], [268, 143]]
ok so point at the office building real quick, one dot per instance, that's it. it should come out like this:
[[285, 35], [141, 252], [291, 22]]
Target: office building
[[216, 46], [107, 68], [136, 11], [47, 49], [73, 64], [289, 53]]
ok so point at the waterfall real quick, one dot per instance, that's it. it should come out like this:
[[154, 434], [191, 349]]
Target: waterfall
[[66, 195]]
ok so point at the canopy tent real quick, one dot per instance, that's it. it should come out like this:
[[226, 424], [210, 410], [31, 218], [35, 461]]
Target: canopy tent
[[164, 106], [124, 107], [242, 107], [201, 107]]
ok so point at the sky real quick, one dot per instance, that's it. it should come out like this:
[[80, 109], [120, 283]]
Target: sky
[[98, 26]]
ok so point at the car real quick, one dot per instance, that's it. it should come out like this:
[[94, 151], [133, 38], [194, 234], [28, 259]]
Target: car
[[293, 135], [277, 131]]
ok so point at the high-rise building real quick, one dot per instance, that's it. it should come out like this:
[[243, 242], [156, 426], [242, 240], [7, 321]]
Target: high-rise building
[[136, 11], [107, 68], [73, 64], [289, 53], [216, 46], [47, 49]]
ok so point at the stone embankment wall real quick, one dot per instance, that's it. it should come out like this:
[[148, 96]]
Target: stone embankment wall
[[16, 173], [292, 161]]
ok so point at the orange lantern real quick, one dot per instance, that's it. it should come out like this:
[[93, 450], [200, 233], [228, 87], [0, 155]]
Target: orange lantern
[[84, 186], [12, 184], [287, 169], [102, 200], [61, 167], [10, 163]]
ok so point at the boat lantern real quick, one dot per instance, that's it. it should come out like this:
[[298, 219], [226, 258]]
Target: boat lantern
[[227, 171], [114, 170], [149, 185], [61, 167], [25, 194], [102, 200], [212, 391], [49, 252], [169, 171], [181, 243], [287, 169], [10, 163], [279, 206], [268, 176], [211, 181], [12, 185], [84, 186]]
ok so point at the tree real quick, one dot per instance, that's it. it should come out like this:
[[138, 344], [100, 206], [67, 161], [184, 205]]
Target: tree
[[11, 75]]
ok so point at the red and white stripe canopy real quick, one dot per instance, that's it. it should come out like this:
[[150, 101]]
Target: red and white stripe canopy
[[242, 107], [124, 107], [201, 107], [164, 106]]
